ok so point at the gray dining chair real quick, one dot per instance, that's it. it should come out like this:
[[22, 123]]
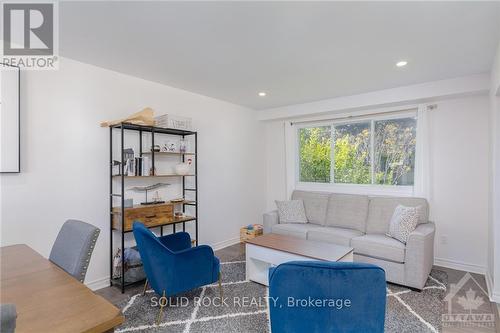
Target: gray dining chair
[[73, 247], [8, 316]]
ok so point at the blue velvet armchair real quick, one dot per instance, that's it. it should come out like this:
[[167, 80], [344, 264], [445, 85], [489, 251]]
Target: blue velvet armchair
[[172, 266], [317, 296]]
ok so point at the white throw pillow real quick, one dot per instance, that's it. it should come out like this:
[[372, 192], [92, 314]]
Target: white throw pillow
[[291, 211], [403, 222]]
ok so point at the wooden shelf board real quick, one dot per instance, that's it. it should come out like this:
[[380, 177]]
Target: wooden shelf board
[[156, 176], [186, 202], [161, 130], [166, 153], [173, 221]]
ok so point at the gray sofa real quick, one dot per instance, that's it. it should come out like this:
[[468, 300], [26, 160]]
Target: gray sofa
[[361, 222]]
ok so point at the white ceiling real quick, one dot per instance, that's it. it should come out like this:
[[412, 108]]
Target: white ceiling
[[295, 51]]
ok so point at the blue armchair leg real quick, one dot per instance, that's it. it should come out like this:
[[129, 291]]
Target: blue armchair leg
[[163, 302], [220, 285], [145, 287]]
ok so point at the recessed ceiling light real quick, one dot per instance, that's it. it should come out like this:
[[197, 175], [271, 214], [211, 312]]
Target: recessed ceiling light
[[262, 94], [402, 63]]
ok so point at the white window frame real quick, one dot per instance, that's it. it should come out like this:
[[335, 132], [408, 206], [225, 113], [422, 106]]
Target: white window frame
[[368, 189]]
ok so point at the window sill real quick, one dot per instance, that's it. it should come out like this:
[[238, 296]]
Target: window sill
[[389, 190]]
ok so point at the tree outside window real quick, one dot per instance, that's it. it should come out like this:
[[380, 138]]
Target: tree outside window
[[392, 163]]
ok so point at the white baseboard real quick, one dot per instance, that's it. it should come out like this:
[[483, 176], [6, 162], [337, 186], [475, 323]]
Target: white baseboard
[[460, 265], [98, 284], [494, 296], [225, 243], [104, 282]]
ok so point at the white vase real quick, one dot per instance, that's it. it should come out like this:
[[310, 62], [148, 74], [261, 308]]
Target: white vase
[[182, 169]]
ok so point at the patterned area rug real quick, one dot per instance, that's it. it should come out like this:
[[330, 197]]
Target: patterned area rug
[[407, 310]]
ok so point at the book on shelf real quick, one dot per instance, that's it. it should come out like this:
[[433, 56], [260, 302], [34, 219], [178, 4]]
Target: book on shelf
[[145, 166], [138, 166], [130, 167]]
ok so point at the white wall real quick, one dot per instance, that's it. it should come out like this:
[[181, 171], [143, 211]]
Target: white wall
[[64, 161], [459, 140], [460, 164], [493, 274]]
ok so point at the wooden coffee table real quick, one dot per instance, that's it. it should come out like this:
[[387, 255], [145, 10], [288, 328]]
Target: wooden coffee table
[[271, 250]]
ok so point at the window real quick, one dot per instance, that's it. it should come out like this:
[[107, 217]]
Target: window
[[352, 154], [374, 151], [315, 152]]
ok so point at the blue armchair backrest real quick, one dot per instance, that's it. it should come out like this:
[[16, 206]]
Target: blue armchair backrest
[[317, 296], [154, 255]]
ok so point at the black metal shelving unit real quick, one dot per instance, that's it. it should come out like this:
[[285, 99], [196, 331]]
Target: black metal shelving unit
[[122, 127]]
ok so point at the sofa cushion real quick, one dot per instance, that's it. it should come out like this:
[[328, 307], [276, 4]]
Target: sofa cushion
[[315, 204], [403, 222], [340, 236], [347, 211], [291, 211], [293, 229], [379, 246], [381, 210]]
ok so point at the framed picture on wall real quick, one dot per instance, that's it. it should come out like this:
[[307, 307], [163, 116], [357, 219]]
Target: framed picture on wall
[[10, 149]]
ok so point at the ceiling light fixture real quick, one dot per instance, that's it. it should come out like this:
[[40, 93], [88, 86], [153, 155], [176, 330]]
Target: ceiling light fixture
[[402, 63], [262, 94]]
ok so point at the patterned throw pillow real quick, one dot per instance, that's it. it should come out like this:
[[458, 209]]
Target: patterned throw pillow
[[403, 222], [291, 211]]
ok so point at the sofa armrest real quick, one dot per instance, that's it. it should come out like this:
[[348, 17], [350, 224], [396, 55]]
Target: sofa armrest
[[420, 254], [270, 219]]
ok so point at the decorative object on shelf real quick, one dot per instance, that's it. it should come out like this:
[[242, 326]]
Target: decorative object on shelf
[[128, 203], [117, 264], [251, 231], [156, 198], [179, 214], [175, 122], [179, 200], [170, 147], [156, 148], [183, 145], [183, 168], [144, 117]]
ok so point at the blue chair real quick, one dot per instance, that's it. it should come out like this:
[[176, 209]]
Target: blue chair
[[318, 296], [172, 266], [8, 316]]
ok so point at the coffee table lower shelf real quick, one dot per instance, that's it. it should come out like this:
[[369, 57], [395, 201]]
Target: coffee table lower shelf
[[260, 258]]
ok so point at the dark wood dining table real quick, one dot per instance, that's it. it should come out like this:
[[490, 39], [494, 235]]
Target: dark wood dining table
[[48, 299]]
